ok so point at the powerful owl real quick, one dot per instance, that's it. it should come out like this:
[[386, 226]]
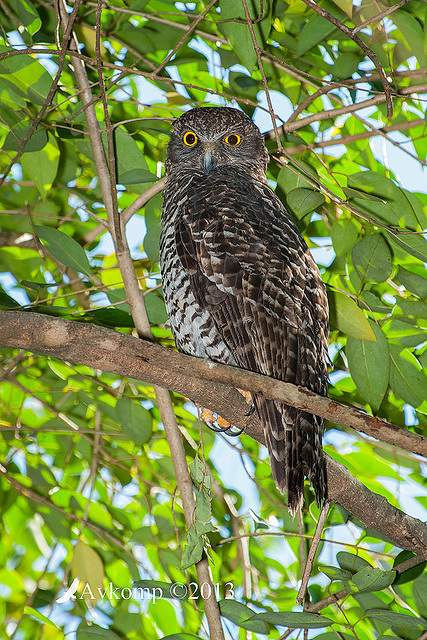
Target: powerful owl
[[240, 285]]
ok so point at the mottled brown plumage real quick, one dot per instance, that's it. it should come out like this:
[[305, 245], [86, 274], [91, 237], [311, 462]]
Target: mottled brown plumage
[[240, 284]]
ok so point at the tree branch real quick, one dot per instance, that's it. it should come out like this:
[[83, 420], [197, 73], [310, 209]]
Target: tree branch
[[107, 180], [257, 50], [210, 385], [366, 50], [35, 123], [379, 16], [363, 135], [293, 126]]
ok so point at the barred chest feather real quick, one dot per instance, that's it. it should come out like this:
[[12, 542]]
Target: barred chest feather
[[192, 327]]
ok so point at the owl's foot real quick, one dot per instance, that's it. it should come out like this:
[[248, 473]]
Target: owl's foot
[[224, 426], [248, 397]]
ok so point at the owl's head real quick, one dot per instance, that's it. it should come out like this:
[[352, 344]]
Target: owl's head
[[210, 137]]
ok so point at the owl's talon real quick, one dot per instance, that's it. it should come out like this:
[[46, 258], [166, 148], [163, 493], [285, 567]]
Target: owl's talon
[[247, 396], [224, 426], [251, 410], [207, 416]]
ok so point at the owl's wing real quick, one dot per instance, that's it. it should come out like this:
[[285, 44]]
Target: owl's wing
[[250, 268]]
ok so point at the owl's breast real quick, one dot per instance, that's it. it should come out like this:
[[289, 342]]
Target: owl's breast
[[193, 328]]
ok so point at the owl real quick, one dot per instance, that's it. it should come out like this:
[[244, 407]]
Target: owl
[[240, 284]]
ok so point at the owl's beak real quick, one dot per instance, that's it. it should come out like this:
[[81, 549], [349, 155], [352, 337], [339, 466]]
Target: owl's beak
[[208, 161]]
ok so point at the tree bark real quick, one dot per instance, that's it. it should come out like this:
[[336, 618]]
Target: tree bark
[[212, 386]]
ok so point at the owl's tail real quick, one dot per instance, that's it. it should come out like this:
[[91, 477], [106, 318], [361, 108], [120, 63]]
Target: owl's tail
[[294, 442]]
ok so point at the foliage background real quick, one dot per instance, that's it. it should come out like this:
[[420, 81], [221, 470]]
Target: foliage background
[[88, 486]]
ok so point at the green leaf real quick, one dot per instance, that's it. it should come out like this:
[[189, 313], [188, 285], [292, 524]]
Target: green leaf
[[34, 286], [110, 317], [419, 589], [411, 575], [385, 199], [294, 619], [151, 243], [193, 550], [412, 308], [407, 379], [371, 258], [351, 562], [259, 523], [375, 184], [235, 28], [241, 615], [203, 527], [345, 65], [344, 235], [347, 7], [93, 632], [64, 249], [413, 282], [395, 619], [131, 164], [197, 470], [156, 308], [135, 176], [7, 302], [317, 29], [18, 132], [26, 77], [42, 166], [412, 33], [412, 243], [335, 574], [303, 201], [30, 611], [369, 364], [203, 506], [134, 419], [89, 568], [291, 178], [27, 15], [371, 579], [346, 316]]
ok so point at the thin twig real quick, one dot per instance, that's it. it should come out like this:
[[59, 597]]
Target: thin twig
[[363, 135], [52, 90], [189, 31], [322, 115], [261, 68], [312, 553], [367, 51], [379, 16]]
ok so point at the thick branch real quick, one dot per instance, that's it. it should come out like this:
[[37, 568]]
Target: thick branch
[[147, 361], [209, 385]]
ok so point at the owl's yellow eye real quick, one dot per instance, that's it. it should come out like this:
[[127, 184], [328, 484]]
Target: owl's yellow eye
[[189, 138], [233, 139]]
